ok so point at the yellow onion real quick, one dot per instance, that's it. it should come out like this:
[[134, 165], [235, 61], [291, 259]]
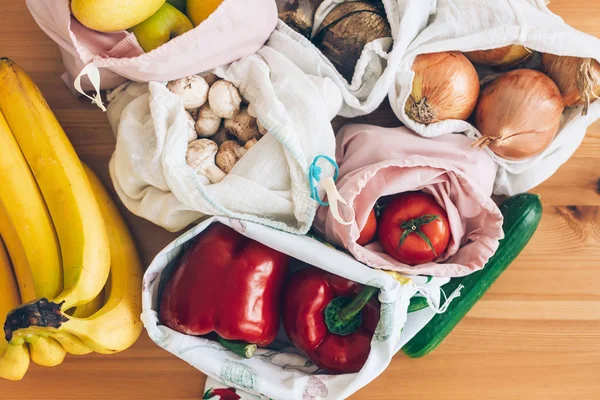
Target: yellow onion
[[577, 78], [518, 114], [502, 56], [445, 86]]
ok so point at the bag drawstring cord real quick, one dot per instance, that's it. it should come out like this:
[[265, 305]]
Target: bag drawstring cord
[[93, 75], [447, 299]]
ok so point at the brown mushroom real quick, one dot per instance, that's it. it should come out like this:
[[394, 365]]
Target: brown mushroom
[[229, 153], [250, 143], [242, 126]]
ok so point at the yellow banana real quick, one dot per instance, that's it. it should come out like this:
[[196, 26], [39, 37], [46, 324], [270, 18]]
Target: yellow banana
[[14, 363], [46, 351], [14, 360], [89, 309], [43, 350], [62, 181], [117, 325], [71, 343], [30, 236], [29, 220]]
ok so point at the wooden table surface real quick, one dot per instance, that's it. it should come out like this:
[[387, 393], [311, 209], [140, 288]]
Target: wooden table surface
[[535, 334]]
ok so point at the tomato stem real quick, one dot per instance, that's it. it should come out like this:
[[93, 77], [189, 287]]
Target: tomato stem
[[414, 226]]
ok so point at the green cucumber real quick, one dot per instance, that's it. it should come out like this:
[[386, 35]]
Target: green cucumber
[[417, 303], [522, 214]]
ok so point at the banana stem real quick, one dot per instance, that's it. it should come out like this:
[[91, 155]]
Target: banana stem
[[41, 313]]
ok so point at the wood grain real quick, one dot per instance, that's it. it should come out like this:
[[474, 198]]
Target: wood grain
[[535, 335]]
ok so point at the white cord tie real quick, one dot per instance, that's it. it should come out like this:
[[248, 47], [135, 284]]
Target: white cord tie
[[93, 75]]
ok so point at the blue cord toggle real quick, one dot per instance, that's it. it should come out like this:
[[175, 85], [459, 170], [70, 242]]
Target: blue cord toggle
[[314, 176]]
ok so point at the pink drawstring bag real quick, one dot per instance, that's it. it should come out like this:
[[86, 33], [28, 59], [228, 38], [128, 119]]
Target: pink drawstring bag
[[376, 162], [235, 29]]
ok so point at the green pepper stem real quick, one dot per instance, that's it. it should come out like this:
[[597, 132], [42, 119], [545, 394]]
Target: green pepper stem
[[357, 304], [242, 349]]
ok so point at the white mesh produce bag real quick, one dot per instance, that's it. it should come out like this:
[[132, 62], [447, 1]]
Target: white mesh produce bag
[[468, 25], [375, 71], [283, 372], [269, 184]]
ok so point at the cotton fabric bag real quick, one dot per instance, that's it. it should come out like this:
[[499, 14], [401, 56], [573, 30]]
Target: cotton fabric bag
[[376, 162], [376, 68], [317, 387], [283, 372], [469, 25], [236, 28], [269, 184]]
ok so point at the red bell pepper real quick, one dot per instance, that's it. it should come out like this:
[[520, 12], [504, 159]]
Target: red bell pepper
[[331, 319], [228, 284], [222, 394]]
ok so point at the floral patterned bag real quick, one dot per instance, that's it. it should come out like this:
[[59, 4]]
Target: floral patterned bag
[[282, 372]]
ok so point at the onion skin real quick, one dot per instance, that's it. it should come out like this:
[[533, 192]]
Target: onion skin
[[445, 86], [347, 29], [577, 78], [518, 114], [500, 57]]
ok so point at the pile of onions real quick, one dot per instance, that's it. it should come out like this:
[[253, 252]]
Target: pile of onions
[[445, 86], [519, 114], [500, 57], [577, 78]]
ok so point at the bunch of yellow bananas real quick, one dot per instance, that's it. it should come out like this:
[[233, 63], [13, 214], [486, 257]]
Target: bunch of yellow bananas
[[70, 277]]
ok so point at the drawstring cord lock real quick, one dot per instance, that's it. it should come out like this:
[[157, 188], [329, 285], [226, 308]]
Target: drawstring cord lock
[[334, 197]]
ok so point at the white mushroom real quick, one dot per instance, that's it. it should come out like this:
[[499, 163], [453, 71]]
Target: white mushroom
[[224, 99], [191, 128], [207, 123], [242, 126], [229, 153], [201, 157], [210, 78], [192, 90]]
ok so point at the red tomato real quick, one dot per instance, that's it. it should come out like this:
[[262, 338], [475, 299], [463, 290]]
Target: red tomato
[[414, 229], [369, 230]]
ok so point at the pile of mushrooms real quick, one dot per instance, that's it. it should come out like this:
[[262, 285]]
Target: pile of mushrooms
[[222, 127]]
